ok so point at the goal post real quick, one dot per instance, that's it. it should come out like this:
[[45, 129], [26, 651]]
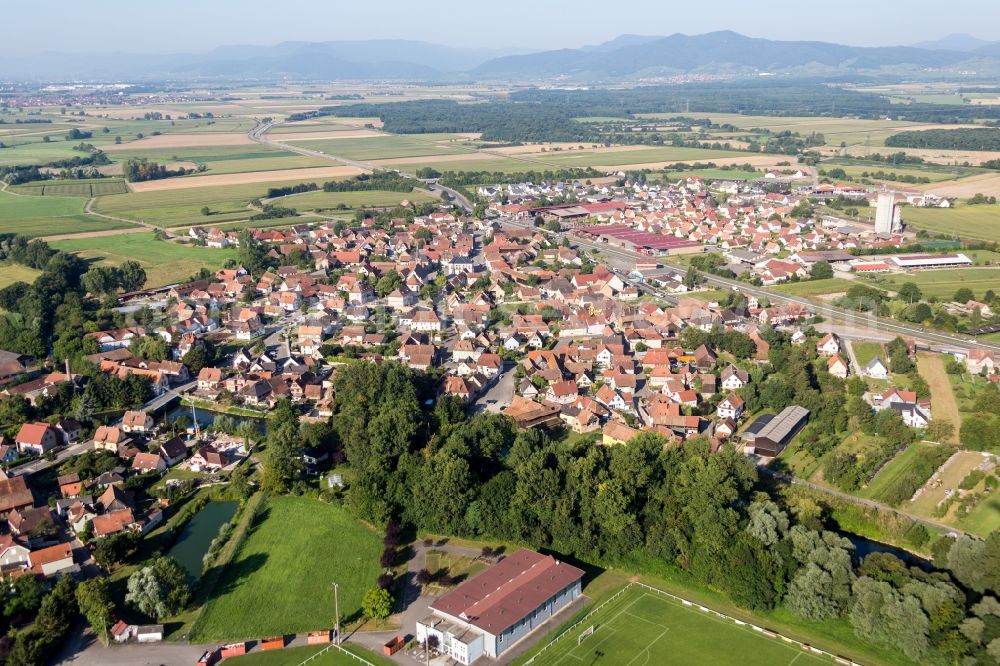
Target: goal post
[[589, 631]]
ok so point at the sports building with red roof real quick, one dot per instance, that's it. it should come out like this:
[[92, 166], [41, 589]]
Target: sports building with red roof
[[486, 615]]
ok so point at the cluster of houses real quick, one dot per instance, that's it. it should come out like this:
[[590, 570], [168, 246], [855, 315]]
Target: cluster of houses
[[495, 311], [40, 531], [753, 223]]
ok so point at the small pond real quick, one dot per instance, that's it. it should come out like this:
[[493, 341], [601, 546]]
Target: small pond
[[197, 535], [206, 417]]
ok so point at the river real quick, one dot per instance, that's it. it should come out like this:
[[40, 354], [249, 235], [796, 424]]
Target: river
[[197, 535]]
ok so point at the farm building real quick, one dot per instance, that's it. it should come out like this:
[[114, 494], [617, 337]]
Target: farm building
[[493, 611], [775, 432], [931, 260]]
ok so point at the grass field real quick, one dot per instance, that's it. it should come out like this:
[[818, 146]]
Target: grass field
[[985, 518], [165, 262], [320, 200], [866, 351], [815, 287], [46, 216], [943, 403], [297, 655], [641, 627], [976, 222], [944, 283], [897, 468], [279, 582], [11, 273]]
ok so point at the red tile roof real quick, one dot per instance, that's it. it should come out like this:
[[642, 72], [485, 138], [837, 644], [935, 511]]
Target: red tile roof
[[507, 592]]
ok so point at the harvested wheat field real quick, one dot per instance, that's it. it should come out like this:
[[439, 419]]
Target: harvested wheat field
[[938, 155], [183, 141], [986, 183], [245, 178]]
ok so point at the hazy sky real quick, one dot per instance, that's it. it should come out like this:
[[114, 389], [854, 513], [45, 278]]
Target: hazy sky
[[195, 25]]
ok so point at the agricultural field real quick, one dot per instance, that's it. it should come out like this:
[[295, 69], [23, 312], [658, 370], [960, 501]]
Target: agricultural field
[[644, 627], [944, 407], [942, 284], [320, 200], [382, 147], [815, 287], [173, 208], [221, 159], [73, 188], [974, 222], [45, 216], [935, 173], [294, 551], [165, 262]]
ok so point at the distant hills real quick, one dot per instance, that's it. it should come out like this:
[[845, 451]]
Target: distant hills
[[720, 52], [625, 58], [340, 60], [955, 42]]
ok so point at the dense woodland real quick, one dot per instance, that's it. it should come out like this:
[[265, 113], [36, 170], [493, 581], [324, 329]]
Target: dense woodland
[[548, 115], [980, 138]]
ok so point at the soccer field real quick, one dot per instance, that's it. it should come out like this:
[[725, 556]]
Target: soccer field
[[641, 628]]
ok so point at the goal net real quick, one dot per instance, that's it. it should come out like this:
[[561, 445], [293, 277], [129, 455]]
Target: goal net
[[589, 631]]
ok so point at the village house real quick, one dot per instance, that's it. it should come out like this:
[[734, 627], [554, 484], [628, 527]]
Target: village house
[[829, 345], [731, 407], [137, 421], [837, 367], [36, 439]]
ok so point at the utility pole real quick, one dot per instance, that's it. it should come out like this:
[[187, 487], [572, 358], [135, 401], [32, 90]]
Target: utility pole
[[336, 611]]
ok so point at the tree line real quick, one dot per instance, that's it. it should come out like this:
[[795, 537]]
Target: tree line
[[140, 169], [979, 138], [651, 506]]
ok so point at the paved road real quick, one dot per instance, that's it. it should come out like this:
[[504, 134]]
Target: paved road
[[42, 464]]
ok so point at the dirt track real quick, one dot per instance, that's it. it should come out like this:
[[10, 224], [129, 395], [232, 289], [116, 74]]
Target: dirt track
[[95, 234]]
